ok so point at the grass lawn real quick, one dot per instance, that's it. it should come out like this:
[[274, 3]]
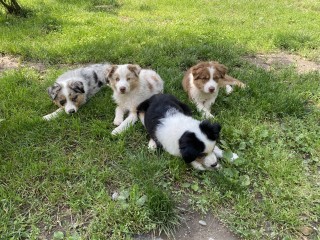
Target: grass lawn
[[57, 178]]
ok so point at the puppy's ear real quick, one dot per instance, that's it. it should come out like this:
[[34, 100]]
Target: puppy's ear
[[77, 86], [221, 69], [211, 130], [109, 72], [54, 90], [199, 70], [190, 147], [134, 68]]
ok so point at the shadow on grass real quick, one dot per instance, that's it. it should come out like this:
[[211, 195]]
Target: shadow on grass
[[108, 6]]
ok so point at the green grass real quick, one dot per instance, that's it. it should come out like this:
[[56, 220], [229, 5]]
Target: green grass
[[57, 177]]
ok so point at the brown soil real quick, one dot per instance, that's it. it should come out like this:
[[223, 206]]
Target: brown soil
[[283, 60], [10, 62], [191, 229]]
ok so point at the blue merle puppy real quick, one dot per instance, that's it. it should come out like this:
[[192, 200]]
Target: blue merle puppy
[[73, 88]]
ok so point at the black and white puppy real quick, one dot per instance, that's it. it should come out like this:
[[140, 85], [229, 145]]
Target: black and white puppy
[[170, 125], [74, 87]]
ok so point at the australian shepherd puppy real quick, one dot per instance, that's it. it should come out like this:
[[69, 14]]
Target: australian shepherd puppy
[[131, 85], [203, 81], [73, 88], [170, 126]]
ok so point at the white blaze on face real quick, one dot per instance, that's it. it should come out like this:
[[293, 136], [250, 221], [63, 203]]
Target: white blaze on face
[[122, 85], [69, 106], [210, 86], [210, 160]]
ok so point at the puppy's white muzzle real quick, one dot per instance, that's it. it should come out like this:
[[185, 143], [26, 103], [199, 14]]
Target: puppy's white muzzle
[[210, 87], [123, 86], [211, 161], [70, 108]]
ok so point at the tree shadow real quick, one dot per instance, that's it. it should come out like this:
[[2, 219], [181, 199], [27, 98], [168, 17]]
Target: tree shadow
[[108, 6]]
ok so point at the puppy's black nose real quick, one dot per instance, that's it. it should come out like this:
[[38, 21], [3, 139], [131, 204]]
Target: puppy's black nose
[[71, 111], [211, 89], [214, 165], [122, 89]]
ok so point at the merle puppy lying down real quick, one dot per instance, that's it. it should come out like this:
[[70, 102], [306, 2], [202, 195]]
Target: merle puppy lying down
[[170, 126], [73, 88]]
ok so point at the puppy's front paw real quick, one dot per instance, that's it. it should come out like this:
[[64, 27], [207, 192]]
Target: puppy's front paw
[[241, 85], [234, 157], [50, 116], [207, 115], [229, 89], [197, 166], [152, 145], [117, 122], [47, 117], [116, 131]]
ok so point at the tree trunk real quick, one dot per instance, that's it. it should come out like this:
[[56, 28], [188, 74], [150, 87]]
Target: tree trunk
[[12, 7]]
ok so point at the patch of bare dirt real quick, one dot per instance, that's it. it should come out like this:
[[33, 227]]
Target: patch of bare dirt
[[8, 62], [213, 229], [283, 60], [195, 226]]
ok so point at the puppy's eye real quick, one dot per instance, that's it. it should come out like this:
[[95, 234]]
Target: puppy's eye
[[117, 79], [62, 102], [74, 98], [128, 78]]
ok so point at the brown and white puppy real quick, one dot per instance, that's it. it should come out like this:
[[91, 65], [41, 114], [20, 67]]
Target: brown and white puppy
[[131, 86], [73, 88], [203, 81]]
